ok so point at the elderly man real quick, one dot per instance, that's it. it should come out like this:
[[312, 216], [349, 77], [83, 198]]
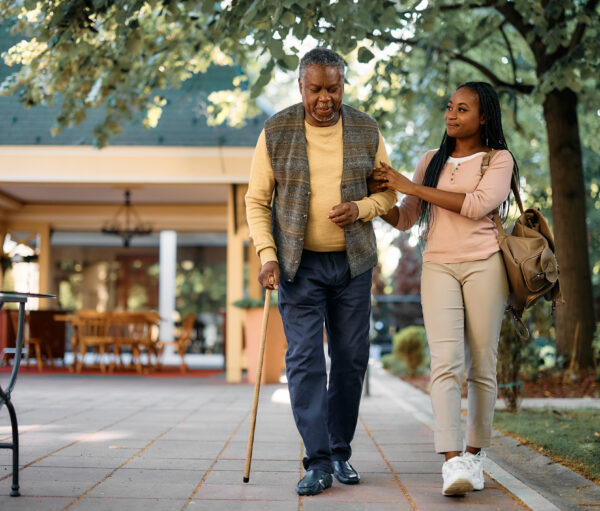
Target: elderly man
[[310, 220]]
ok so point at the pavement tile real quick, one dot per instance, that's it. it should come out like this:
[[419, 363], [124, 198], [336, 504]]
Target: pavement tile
[[136, 504], [246, 492], [36, 474], [370, 465], [162, 476], [489, 500], [426, 447], [98, 450], [182, 435], [372, 479], [416, 467], [146, 462], [262, 450], [58, 460], [314, 504], [399, 454], [50, 488], [434, 482], [365, 493], [247, 505], [144, 490], [257, 478], [260, 465], [25, 503], [180, 449], [421, 480]]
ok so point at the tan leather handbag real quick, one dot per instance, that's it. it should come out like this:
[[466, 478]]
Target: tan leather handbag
[[528, 252]]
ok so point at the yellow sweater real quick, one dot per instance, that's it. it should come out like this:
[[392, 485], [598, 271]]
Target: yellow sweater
[[325, 160]]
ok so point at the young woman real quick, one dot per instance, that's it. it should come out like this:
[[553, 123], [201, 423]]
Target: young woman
[[463, 284]]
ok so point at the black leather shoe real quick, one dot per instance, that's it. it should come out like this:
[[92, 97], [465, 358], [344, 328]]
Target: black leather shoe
[[345, 473], [314, 482]]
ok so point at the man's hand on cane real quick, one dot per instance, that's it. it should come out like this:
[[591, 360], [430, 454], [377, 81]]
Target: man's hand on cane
[[269, 271]]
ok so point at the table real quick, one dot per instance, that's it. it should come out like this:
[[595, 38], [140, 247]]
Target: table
[[112, 331], [21, 299]]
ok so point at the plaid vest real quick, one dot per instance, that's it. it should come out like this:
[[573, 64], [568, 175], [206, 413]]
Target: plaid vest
[[286, 145]]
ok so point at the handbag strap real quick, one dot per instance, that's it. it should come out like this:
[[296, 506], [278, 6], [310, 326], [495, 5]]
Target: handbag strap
[[485, 163]]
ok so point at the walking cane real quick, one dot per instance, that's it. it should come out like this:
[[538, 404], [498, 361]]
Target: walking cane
[[259, 366]]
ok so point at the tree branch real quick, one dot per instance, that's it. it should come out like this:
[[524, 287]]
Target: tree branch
[[519, 87], [510, 53], [516, 20], [580, 28], [452, 7], [483, 37]]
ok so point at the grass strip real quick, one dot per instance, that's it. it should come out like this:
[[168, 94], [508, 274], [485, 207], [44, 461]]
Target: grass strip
[[571, 437]]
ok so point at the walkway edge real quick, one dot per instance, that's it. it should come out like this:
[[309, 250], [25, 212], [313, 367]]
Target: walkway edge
[[519, 489], [413, 402]]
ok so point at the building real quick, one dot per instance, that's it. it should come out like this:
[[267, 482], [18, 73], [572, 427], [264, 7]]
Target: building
[[57, 193]]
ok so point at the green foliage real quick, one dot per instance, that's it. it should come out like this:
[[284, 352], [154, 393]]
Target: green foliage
[[200, 289], [572, 436], [410, 346], [119, 53], [520, 359], [539, 352], [596, 348], [394, 365]]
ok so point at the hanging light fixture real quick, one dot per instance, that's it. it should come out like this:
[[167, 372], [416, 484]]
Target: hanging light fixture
[[126, 223]]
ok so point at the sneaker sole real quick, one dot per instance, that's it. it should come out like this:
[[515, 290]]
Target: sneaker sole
[[459, 487]]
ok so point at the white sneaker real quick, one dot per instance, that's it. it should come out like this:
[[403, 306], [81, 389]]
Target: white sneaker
[[476, 461], [457, 473]]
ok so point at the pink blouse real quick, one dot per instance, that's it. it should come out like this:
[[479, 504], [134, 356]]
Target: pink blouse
[[471, 234]]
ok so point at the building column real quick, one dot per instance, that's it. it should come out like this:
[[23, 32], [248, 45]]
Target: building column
[[235, 285], [166, 284], [43, 232], [255, 290]]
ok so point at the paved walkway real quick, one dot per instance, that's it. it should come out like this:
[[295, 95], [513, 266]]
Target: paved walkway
[[113, 443]]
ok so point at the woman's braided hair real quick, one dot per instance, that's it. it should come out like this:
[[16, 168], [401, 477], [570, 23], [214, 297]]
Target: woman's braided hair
[[492, 136]]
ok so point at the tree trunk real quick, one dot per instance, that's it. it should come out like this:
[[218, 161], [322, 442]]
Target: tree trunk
[[575, 319]]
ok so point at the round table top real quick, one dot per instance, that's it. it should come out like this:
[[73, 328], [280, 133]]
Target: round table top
[[9, 294]]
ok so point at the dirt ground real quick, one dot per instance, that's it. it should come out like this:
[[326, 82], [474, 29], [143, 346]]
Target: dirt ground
[[550, 385]]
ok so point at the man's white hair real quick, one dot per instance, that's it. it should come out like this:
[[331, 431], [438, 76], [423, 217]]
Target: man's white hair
[[322, 57]]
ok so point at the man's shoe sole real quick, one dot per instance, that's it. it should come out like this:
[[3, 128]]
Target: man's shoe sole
[[347, 481], [309, 491], [459, 487]]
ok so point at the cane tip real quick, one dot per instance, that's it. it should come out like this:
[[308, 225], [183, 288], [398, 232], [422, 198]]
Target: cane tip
[[246, 479]]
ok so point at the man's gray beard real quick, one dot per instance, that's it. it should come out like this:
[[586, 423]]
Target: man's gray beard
[[321, 118]]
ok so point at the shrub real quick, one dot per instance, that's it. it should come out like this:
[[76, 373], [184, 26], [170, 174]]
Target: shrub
[[511, 354], [410, 346], [393, 365], [596, 351]]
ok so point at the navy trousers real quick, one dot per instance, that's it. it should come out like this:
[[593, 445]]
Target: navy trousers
[[326, 415]]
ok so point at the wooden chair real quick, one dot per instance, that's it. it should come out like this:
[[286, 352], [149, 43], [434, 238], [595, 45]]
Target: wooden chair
[[182, 342], [133, 330], [91, 331], [28, 341]]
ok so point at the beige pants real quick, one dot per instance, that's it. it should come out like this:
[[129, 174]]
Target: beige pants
[[463, 306]]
